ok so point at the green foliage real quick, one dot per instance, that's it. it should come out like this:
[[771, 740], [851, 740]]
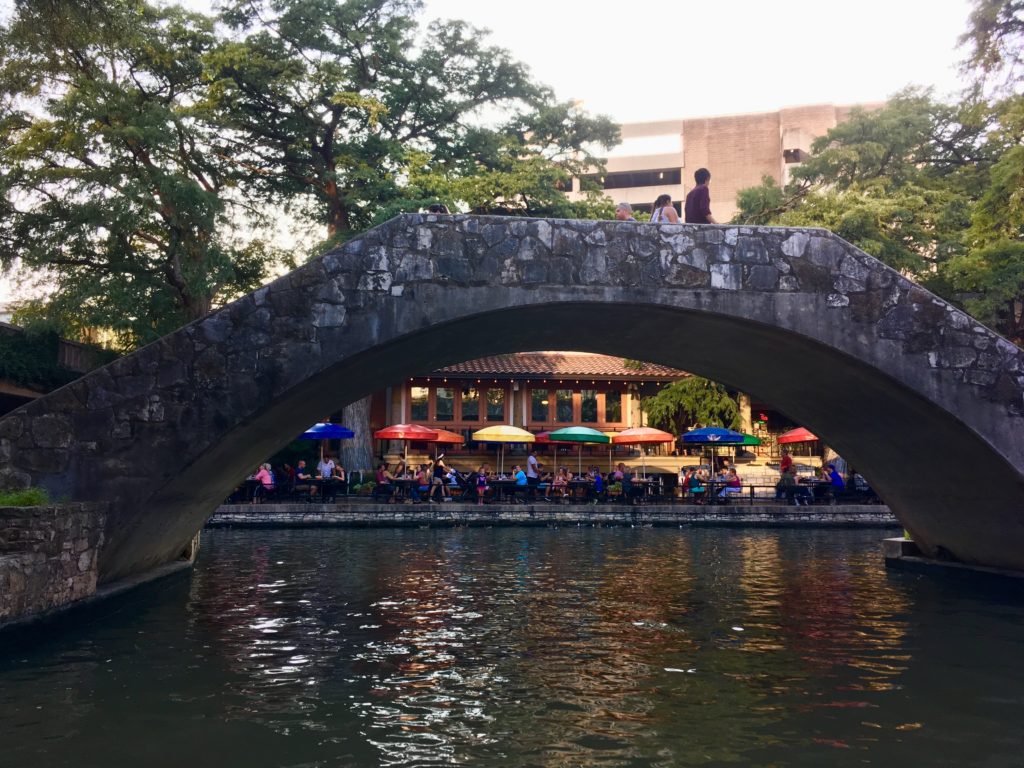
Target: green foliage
[[115, 183], [932, 190], [990, 282], [28, 497], [30, 359], [995, 40], [689, 401], [347, 112]]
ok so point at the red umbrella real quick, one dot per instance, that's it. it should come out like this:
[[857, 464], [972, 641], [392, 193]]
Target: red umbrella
[[798, 435], [405, 433], [544, 438], [639, 435]]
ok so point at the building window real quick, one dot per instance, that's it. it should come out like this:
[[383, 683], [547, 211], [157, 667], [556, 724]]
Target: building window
[[658, 177], [495, 404], [588, 406], [539, 405], [471, 404], [419, 398], [444, 404], [612, 407], [563, 406]]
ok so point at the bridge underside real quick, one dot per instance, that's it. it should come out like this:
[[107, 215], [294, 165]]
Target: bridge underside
[[940, 479]]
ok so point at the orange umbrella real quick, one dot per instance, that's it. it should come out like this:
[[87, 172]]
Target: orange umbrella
[[448, 437], [640, 435]]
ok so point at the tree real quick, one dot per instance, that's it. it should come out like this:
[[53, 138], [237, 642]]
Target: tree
[[348, 113], [933, 190], [345, 105], [113, 183], [693, 400], [995, 39]]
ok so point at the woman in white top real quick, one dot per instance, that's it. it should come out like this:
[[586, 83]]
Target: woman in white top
[[663, 211]]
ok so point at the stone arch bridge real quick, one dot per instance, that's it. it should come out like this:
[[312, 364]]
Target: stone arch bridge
[[926, 402]]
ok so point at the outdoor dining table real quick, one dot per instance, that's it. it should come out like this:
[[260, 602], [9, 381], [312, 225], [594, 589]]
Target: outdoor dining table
[[576, 484], [327, 487], [251, 486], [501, 486]]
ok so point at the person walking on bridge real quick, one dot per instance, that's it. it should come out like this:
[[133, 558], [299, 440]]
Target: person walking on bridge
[[663, 212], [698, 202]]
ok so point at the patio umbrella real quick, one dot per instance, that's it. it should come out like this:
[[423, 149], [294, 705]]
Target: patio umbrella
[[448, 437], [579, 435], [405, 433], [501, 434], [713, 436], [611, 447], [640, 436], [798, 435], [327, 431], [544, 438]]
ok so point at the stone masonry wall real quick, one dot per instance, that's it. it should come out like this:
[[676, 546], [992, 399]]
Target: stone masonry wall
[[48, 557]]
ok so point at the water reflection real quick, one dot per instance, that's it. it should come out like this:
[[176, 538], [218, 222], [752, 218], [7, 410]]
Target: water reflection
[[525, 647]]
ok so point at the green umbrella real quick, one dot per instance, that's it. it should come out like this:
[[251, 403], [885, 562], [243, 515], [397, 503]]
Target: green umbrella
[[579, 435]]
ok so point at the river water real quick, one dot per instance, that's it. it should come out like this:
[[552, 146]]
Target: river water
[[526, 647]]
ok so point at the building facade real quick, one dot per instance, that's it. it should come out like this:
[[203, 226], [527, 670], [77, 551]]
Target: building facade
[[661, 157], [538, 391]]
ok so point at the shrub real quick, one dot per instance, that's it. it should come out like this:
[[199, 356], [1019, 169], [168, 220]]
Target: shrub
[[28, 497]]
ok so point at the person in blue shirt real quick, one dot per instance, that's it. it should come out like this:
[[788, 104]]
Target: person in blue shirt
[[521, 484], [835, 478], [598, 489]]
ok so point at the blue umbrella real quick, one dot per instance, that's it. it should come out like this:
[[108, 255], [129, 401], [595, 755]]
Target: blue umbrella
[[713, 436], [327, 431]]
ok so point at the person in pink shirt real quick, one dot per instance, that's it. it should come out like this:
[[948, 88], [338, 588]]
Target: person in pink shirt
[[266, 480]]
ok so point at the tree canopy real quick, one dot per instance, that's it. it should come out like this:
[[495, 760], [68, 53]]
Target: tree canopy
[[932, 189], [145, 148], [693, 400], [112, 185]]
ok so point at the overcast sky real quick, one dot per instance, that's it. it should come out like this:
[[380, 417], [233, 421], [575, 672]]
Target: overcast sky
[[653, 61]]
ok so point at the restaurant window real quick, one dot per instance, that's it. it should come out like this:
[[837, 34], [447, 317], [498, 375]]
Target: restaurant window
[[444, 404], [471, 404], [419, 399], [563, 406], [495, 404], [539, 405], [588, 406], [612, 407]]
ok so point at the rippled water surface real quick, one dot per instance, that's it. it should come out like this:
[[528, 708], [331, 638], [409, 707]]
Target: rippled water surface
[[526, 647]]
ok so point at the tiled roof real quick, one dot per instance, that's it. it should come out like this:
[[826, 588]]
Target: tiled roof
[[551, 364]]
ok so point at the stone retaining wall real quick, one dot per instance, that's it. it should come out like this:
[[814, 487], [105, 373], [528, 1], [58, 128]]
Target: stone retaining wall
[[48, 557], [369, 515]]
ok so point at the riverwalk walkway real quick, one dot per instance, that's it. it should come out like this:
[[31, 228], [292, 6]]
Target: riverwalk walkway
[[366, 514]]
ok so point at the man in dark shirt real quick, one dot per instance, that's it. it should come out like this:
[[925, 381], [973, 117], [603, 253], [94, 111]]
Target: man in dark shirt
[[698, 201]]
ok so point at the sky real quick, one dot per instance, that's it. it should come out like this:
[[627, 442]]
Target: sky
[[658, 61]]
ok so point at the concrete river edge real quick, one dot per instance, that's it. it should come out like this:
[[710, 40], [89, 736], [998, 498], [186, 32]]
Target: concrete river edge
[[448, 514]]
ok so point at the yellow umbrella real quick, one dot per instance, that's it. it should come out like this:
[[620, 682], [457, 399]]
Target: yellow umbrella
[[501, 434]]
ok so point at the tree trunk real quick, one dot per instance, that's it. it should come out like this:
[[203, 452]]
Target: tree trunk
[[357, 453]]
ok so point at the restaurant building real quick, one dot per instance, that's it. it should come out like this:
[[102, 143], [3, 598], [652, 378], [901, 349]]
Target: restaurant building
[[538, 391]]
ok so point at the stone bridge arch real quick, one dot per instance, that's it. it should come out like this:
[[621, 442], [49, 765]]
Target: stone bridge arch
[[920, 397]]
